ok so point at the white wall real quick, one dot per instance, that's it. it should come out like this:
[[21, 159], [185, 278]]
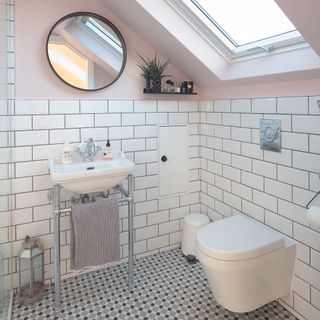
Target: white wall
[[274, 188]]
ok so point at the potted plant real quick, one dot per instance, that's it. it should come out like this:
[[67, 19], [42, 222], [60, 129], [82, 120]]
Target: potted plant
[[152, 71]]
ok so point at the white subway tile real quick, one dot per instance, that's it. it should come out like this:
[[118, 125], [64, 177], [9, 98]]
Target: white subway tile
[[145, 106], [147, 232], [21, 185], [308, 274], [5, 124], [252, 180], [47, 151], [21, 154], [223, 183], [292, 211], [314, 182], [302, 288], [231, 119], [157, 118], [21, 123], [63, 106], [231, 173], [293, 176], [293, 105], [48, 122], [96, 134], [168, 227], [21, 216], [168, 203], [42, 182], [107, 120], [315, 297], [157, 217], [34, 229], [207, 129], [302, 196], [221, 106], [133, 145], [241, 134], [31, 199], [116, 106], [133, 119], [222, 157], [93, 106], [265, 105], [214, 118], [264, 168], [31, 107], [206, 106], [146, 207], [278, 189], [315, 259], [241, 162], [251, 120], [284, 157], [295, 141], [167, 106], [307, 310], [60, 136], [178, 118], [79, 120], [241, 191], [231, 146], [314, 143], [31, 138], [206, 153], [215, 167], [151, 143], [223, 209], [241, 105], [194, 117], [146, 156], [158, 242], [222, 132], [279, 223], [146, 182], [306, 161], [307, 236], [145, 131], [120, 132], [307, 124], [26, 169], [264, 200], [251, 150], [188, 106]]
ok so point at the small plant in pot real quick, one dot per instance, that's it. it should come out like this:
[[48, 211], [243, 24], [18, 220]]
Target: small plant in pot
[[152, 71]]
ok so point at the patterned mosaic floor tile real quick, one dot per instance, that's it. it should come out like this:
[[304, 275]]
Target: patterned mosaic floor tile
[[165, 287]]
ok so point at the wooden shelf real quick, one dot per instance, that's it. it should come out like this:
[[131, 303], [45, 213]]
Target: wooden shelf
[[174, 93]]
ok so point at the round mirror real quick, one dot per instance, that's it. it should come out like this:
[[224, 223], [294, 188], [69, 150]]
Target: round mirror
[[86, 51]]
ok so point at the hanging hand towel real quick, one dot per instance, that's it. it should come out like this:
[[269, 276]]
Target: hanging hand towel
[[94, 234]]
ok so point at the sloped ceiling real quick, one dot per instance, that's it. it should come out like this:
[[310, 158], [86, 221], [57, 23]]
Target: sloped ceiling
[[174, 38]]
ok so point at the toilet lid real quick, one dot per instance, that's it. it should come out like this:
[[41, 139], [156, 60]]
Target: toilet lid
[[237, 238]]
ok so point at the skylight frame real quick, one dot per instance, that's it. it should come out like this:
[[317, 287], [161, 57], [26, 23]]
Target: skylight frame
[[224, 45]]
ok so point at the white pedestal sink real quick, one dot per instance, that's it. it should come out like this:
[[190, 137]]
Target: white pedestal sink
[[88, 177]]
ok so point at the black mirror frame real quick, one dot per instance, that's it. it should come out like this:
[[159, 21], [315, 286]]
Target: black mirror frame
[[107, 22]]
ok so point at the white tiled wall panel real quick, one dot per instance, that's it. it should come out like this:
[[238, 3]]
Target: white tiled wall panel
[[272, 187], [41, 127]]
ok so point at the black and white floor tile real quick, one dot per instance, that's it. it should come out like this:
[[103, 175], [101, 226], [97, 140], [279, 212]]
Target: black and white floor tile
[[165, 287]]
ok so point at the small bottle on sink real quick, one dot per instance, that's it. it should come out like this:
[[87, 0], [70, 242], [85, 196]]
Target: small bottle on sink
[[66, 154], [107, 153]]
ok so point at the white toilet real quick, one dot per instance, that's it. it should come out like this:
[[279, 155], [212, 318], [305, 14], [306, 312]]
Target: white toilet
[[247, 264]]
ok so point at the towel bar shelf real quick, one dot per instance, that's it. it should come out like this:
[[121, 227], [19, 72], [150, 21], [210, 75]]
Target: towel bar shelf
[[54, 196]]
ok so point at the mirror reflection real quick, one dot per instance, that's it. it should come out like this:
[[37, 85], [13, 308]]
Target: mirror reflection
[[86, 51]]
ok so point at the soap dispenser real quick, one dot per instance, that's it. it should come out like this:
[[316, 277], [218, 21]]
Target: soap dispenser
[[107, 153], [66, 154]]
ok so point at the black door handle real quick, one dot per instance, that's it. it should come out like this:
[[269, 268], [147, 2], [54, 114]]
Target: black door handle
[[164, 158]]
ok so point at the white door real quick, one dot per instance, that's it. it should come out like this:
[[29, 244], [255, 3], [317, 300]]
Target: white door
[[173, 162]]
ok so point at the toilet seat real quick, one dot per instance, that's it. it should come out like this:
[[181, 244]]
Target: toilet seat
[[237, 238]]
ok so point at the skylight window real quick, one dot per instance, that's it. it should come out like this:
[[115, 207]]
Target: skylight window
[[245, 27]]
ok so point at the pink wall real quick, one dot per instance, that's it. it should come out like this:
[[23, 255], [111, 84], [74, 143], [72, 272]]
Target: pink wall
[[35, 79]]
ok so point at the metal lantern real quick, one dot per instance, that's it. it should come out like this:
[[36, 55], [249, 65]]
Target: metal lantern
[[31, 270]]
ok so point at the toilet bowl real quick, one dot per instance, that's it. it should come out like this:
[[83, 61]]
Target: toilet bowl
[[247, 264]]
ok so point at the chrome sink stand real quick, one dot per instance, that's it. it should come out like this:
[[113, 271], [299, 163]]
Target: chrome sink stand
[[54, 196]]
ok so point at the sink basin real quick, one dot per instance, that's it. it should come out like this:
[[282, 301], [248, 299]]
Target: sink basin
[[87, 177]]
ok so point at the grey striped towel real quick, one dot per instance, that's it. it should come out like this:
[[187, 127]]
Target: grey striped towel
[[94, 234]]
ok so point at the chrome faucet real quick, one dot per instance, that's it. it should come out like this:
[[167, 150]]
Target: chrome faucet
[[88, 151]]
